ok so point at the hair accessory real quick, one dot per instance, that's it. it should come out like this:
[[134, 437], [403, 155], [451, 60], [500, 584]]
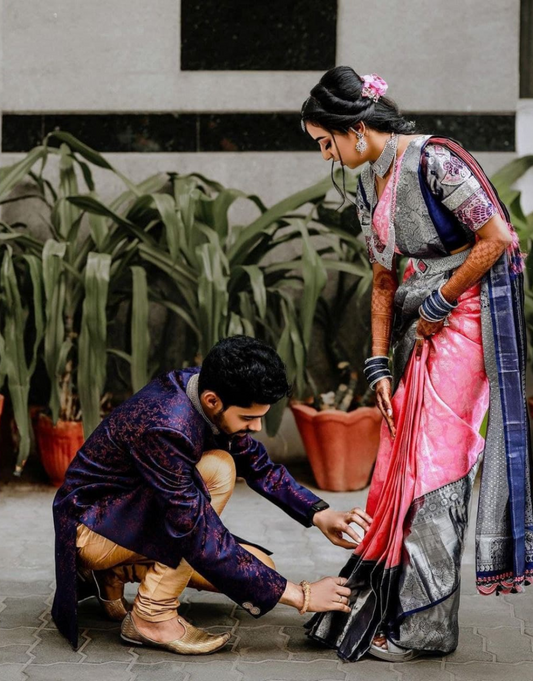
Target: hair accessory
[[374, 87]]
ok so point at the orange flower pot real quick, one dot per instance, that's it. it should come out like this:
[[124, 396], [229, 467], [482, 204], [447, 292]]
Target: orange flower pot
[[58, 445], [341, 446]]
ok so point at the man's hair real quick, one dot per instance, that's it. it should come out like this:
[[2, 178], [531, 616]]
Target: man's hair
[[244, 371]]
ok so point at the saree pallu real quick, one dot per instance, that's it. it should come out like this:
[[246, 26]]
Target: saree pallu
[[405, 575]]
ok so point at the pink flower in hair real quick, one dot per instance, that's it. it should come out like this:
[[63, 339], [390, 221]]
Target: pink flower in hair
[[374, 87]]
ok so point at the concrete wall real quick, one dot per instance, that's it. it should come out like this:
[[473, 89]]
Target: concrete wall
[[124, 55]]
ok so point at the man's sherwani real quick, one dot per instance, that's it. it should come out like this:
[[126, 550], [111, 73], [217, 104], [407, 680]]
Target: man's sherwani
[[135, 482]]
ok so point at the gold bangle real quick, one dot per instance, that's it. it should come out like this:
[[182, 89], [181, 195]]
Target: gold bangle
[[306, 588]]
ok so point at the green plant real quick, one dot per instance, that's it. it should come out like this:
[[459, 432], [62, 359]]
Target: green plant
[[79, 281], [224, 278]]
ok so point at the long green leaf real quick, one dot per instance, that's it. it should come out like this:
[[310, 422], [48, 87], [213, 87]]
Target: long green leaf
[[92, 341], [278, 211], [12, 175], [140, 335], [54, 337], [14, 360], [258, 287]]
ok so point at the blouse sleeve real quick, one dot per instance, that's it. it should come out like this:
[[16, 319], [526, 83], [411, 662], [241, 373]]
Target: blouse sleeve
[[451, 181], [364, 219]]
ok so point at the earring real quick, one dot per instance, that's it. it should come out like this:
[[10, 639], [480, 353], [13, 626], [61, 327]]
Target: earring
[[361, 142]]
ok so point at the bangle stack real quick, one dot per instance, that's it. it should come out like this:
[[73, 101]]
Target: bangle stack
[[435, 307], [306, 588], [376, 368]]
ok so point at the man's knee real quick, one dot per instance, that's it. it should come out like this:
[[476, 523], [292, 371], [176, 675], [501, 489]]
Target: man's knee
[[217, 468]]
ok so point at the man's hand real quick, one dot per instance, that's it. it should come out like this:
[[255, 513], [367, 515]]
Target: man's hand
[[334, 523], [329, 593]]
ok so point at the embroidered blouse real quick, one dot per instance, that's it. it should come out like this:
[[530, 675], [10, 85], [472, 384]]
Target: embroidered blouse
[[449, 180]]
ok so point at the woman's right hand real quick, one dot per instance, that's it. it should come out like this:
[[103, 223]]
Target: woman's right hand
[[384, 403]]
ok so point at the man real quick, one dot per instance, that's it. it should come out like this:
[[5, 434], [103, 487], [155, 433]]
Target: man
[[142, 498]]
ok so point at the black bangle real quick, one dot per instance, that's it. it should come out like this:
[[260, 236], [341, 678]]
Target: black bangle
[[376, 368]]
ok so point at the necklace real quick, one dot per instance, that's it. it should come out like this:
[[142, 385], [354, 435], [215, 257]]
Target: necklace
[[389, 158], [382, 164]]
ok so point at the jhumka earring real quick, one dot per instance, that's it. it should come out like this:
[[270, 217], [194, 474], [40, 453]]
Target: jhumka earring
[[361, 142]]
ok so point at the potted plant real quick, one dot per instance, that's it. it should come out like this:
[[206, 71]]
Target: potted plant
[[79, 279], [340, 432], [222, 279]]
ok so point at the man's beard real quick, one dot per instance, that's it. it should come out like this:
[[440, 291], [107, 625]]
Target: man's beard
[[220, 423]]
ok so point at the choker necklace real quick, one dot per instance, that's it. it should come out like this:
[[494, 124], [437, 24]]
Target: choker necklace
[[387, 156]]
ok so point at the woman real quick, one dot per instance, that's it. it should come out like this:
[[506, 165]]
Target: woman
[[456, 328]]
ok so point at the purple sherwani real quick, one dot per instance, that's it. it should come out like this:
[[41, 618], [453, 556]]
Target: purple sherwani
[[135, 482]]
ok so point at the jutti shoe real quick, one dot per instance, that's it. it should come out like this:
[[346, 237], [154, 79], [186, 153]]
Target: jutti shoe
[[115, 610], [194, 641]]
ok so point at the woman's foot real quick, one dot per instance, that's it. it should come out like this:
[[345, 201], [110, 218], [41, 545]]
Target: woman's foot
[[380, 642], [384, 649]]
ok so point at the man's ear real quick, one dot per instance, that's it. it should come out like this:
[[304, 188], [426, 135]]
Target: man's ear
[[212, 400]]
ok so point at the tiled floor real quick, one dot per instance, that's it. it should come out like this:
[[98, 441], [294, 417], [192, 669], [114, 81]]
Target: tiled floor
[[496, 633]]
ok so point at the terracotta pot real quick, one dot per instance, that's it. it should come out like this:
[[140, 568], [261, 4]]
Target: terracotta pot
[[58, 445], [342, 447]]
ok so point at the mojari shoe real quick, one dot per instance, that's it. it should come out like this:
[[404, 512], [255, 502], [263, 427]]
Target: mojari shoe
[[115, 610], [194, 641]]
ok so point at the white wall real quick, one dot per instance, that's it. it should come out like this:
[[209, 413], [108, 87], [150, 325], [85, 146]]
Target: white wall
[[124, 55]]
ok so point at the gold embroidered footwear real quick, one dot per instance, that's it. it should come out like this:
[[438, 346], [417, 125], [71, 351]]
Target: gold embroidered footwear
[[115, 610], [194, 641]]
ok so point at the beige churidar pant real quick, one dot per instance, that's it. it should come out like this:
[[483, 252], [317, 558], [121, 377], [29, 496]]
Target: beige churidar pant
[[160, 586]]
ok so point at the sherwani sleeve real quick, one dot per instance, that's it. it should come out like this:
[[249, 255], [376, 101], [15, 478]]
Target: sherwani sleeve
[[453, 183], [272, 481], [165, 459]]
